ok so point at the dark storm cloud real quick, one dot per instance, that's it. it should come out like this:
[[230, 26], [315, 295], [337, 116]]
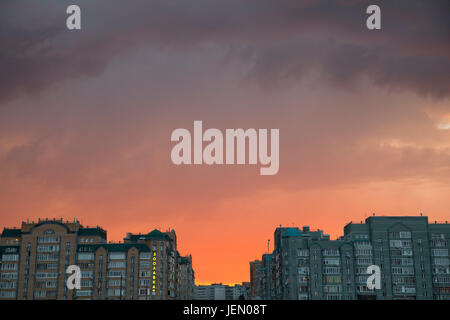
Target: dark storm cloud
[[411, 51], [343, 64]]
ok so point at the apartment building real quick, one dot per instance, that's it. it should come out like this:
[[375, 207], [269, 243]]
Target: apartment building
[[255, 278], [219, 291], [34, 260], [412, 254], [186, 278]]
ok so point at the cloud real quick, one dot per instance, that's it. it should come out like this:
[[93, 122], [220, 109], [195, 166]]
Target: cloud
[[111, 152], [344, 65], [411, 52], [86, 117]]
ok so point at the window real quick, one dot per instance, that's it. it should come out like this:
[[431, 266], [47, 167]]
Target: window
[[46, 275], [117, 255], [437, 236], [332, 261], [364, 261], [439, 252], [45, 284], [115, 292], [402, 270], [116, 283], [40, 293], [144, 291], [10, 257], [302, 252], [303, 271], [87, 274], [86, 256], [144, 264], [144, 273], [8, 285], [331, 270], [405, 235], [332, 288], [116, 264], [144, 282], [86, 265], [331, 279], [116, 273], [8, 276], [83, 293], [44, 266], [8, 294], [441, 261], [47, 257], [9, 266], [407, 252], [145, 255], [48, 248], [330, 252], [52, 239]]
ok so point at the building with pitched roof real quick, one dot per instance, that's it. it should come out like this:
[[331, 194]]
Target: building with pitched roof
[[34, 260]]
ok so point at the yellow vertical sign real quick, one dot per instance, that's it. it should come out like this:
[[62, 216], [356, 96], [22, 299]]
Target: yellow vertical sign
[[154, 272]]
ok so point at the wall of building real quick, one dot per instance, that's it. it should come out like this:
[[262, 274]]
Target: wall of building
[[34, 260], [413, 256]]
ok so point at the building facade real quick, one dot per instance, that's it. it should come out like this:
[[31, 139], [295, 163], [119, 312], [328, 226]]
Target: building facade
[[412, 255], [218, 291], [35, 258], [256, 279]]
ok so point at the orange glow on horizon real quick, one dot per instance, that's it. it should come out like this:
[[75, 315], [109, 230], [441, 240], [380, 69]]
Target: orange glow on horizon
[[223, 244]]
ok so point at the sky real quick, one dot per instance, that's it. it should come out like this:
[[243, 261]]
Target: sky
[[86, 117]]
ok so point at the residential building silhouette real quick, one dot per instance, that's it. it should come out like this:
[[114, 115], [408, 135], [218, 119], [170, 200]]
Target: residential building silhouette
[[34, 260], [412, 254]]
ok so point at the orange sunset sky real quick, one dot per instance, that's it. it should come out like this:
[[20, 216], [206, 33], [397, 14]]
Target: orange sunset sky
[[86, 118]]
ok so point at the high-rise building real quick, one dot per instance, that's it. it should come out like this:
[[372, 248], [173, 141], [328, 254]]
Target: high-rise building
[[219, 291], [215, 291], [186, 278], [35, 258], [412, 256], [266, 277], [255, 279], [240, 292]]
